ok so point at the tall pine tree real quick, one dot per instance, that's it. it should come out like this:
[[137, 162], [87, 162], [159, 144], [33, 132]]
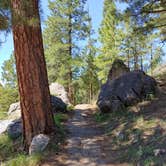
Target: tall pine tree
[[110, 38], [65, 28], [89, 79], [9, 76], [34, 93]]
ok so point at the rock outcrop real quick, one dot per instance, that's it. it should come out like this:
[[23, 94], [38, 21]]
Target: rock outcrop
[[59, 91], [126, 90], [13, 125]]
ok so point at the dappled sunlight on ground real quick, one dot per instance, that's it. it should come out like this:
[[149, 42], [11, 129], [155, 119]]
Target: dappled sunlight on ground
[[86, 145], [135, 137]]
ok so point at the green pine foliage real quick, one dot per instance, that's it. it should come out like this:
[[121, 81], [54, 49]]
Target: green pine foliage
[[134, 47], [89, 82], [65, 28], [138, 47], [9, 90], [110, 38], [4, 19], [8, 96], [9, 76], [150, 15]]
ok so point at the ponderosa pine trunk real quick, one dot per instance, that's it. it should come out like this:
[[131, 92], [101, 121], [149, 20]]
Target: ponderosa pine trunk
[[34, 92]]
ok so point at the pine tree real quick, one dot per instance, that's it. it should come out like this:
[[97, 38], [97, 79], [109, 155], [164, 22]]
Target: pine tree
[[89, 75], [9, 76], [157, 58], [9, 90], [36, 111], [89, 79], [4, 18], [110, 38], [65, 28], [149, 14], [136, 47]]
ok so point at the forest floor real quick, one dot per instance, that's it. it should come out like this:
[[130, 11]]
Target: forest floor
[[135, 137]]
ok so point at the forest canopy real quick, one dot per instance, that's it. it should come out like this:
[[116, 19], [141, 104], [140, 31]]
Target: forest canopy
[[78, 59]]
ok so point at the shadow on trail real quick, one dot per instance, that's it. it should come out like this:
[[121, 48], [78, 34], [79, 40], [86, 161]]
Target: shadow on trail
[[85, 145], [121, 140]]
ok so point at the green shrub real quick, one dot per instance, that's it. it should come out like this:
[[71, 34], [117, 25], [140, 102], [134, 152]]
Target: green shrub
[[59, 118], [70, 107], [7, 97], [24, 160], [99, 117], [10, 156], [6, 147]]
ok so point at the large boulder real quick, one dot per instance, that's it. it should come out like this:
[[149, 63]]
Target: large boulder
[[14, 129], [58, 105], [59, 91], [126, 90]]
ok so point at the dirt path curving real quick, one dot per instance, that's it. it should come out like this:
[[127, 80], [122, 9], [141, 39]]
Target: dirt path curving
[[86, 143]]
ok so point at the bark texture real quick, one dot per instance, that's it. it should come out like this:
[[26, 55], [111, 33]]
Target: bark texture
[[31, 70]]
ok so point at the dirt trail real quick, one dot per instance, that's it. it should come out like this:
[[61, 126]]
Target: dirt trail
[[86, 143]]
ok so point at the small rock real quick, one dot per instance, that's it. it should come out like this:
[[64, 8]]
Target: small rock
[[84, 115], [158, 152], [13, 107], [14, 129], [120, 135], [39, 143], [14, 111]]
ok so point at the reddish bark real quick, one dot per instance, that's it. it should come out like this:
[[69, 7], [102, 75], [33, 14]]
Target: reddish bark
[[31, 70]]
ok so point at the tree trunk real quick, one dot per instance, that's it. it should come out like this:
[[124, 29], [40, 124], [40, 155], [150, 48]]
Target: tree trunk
[[151, 59], [128, 58], [90, 93], [136, 67], [34, 92], [142, 68]]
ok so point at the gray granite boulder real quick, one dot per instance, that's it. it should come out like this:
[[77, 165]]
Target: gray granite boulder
[[38, 144], [126, 90], [14, 129]]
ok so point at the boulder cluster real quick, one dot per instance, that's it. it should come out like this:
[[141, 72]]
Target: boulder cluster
[[13, 124]]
